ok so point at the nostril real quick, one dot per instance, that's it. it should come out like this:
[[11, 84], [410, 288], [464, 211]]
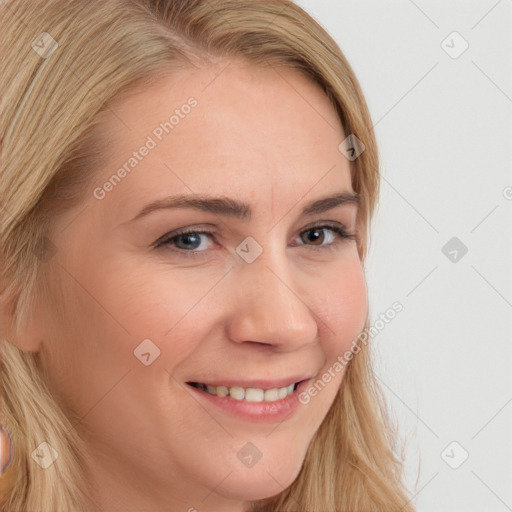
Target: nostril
[[261, 343]]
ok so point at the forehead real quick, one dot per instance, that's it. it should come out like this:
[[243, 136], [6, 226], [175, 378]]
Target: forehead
[[230, 127]]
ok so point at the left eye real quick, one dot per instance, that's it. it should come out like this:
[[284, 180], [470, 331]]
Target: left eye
[[188, 241]]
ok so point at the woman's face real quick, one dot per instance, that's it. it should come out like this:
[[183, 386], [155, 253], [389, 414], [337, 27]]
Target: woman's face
[[256, 298]]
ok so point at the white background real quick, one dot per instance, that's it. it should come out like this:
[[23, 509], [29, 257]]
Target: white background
[[444, 129]]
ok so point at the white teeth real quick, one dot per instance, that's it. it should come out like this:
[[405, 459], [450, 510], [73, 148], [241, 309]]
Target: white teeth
[[249, 394], [237, 393], [254, 395], [222, 391], [282, 392], [271, 395]]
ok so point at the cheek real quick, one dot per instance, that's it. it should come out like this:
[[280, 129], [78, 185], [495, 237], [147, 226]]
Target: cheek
[[148, 302], [162, 304], [343, 307]]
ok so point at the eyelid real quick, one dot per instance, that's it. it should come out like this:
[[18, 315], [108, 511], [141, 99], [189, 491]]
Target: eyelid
[[325, 223], [183, 231], [339, 229], [200, 229]]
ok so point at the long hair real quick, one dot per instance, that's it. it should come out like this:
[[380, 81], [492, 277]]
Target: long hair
[[63, 62]]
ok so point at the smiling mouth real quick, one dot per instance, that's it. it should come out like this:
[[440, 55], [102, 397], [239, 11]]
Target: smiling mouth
[[247, 394]]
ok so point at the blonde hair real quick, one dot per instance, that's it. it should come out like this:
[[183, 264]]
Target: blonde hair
[[50, 119]]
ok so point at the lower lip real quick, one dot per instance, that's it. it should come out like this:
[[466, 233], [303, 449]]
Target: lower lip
[[255, 412]]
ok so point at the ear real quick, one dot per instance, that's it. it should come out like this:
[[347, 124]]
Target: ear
[[29, 338]]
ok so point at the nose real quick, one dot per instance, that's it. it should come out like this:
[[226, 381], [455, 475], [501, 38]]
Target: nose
[[270, 306]]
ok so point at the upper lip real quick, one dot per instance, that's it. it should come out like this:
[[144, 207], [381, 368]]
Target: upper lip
[[255, 383]]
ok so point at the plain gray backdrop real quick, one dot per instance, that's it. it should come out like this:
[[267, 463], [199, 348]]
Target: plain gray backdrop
[[437, 77]]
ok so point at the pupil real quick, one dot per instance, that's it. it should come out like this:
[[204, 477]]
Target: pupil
[[187, 237], [316, 237]]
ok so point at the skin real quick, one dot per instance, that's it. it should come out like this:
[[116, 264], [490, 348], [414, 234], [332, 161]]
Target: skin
[[270, 139]]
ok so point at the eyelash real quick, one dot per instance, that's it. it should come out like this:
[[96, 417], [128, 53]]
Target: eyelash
[[170, 237]]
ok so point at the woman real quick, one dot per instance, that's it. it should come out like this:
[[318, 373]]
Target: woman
[[186, 192]]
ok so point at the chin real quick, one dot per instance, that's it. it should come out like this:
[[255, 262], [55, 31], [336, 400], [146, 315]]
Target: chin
[[257, 484]]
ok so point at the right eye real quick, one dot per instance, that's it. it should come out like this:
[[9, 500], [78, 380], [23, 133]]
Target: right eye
[[185, 238]]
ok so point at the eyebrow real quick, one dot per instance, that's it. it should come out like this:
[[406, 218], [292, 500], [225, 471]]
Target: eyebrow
[[239, 209]]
